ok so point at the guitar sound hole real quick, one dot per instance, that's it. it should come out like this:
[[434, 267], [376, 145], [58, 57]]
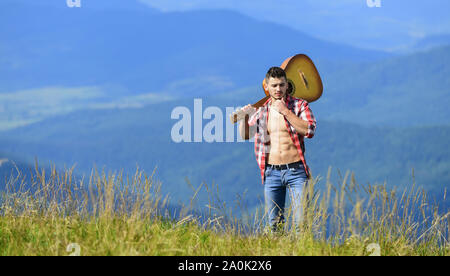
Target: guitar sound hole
[[291, 87]]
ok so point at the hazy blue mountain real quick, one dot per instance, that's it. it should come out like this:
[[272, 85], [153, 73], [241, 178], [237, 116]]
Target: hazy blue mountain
[[140, 50], [394, 26], [387, 92], [401, 91], [432, 41]]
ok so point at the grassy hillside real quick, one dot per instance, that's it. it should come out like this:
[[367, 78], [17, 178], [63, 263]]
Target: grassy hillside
[[109, 214]]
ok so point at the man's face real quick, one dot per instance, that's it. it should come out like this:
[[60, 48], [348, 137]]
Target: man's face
[[277, 87]]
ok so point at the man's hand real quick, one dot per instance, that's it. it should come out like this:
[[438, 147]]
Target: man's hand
[[242, 113], [299, 125], [280, 106], [248, 109]]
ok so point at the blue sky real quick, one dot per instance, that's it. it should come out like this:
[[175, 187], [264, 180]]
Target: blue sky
[[395, 26]]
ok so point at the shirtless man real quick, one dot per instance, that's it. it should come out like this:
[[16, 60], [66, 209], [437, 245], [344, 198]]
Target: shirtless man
[[279, 128]]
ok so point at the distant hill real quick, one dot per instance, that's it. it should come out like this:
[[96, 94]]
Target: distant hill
[[401, 91], [411, 90], [432, 41], [395, 26]]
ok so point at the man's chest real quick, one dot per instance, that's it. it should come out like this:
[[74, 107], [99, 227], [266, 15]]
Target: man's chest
[[276, 123]]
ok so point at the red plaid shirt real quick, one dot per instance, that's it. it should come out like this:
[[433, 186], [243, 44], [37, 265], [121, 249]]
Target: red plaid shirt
[[259, 120]]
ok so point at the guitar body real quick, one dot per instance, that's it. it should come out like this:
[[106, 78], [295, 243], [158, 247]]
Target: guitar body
[[303, 79]]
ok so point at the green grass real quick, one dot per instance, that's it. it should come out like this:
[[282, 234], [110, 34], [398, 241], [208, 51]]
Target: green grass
[[120, 236], [110, 214]]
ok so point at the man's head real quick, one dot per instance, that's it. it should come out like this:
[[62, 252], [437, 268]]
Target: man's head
[[276, 83]]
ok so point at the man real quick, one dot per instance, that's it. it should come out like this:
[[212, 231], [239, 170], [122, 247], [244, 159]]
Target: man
[[279, 127]]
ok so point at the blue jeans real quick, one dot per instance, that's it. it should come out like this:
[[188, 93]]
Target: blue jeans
[[276, 182]]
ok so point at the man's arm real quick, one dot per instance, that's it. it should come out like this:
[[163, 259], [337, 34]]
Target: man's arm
[[300, 125], [244, 129]]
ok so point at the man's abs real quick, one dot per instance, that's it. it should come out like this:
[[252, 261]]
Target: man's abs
[[282, 149]]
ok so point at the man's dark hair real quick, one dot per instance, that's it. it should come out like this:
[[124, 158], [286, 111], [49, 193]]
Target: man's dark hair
[[275, 72]]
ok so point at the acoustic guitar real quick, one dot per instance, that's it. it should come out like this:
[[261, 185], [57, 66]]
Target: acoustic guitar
[[304, 82]]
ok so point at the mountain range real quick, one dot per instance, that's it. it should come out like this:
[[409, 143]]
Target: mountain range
[[96, 86], [395, 26]]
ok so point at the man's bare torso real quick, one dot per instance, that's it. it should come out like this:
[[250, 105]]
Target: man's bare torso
[[282, 149]]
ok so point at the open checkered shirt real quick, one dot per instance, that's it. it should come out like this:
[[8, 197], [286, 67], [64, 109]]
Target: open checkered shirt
[[259, 120]]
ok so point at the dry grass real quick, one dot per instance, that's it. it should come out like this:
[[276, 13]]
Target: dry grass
[[110, 214]]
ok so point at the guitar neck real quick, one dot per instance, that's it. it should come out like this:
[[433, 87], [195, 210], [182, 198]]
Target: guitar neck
[[261, 102], [239, 115]]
